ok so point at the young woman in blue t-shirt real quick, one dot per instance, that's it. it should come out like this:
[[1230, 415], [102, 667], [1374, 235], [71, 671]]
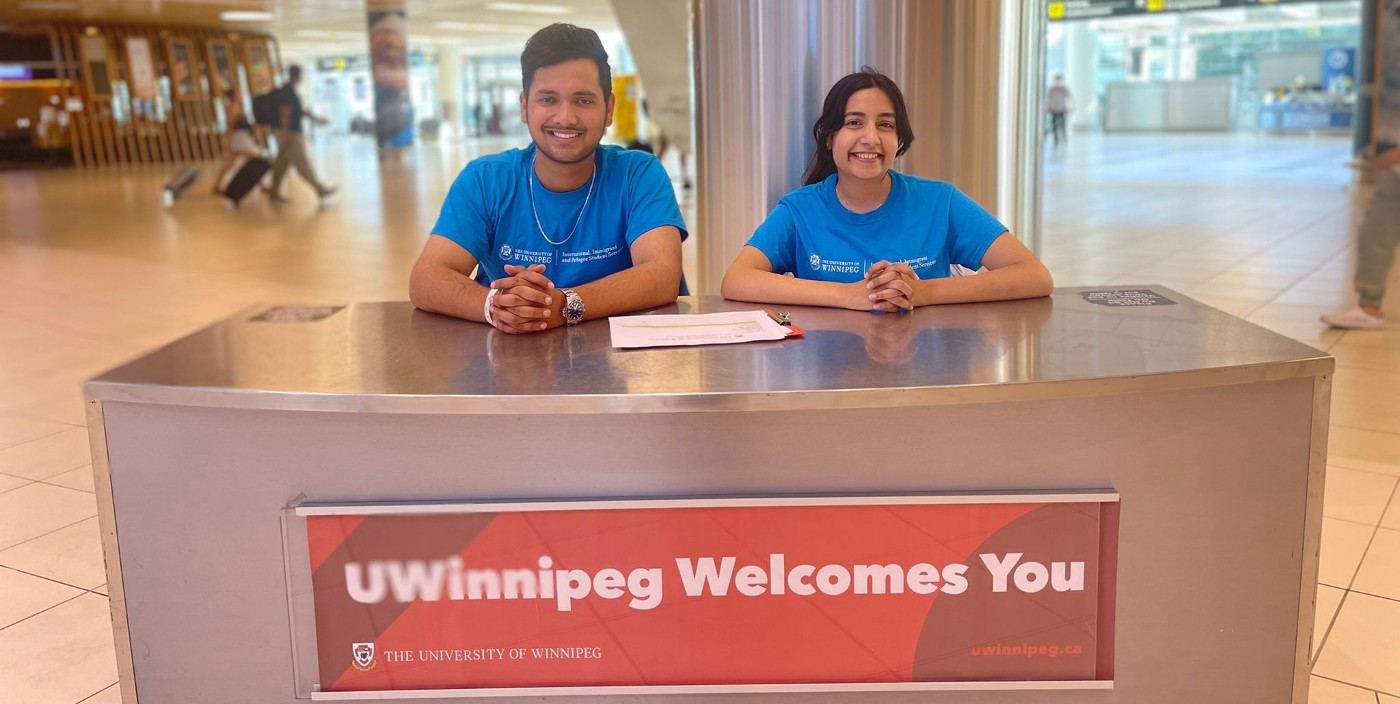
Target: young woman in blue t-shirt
[[860, 235]]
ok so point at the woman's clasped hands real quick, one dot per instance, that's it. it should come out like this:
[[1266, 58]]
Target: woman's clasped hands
[[888, 287]]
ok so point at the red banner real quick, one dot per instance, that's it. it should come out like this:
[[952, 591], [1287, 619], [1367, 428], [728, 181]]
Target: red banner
[[696, 594]]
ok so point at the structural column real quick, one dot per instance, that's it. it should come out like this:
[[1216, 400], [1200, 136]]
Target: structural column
[[388, 56]]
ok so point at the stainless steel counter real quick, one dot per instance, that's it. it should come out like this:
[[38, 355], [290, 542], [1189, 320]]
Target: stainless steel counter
[[1212, 430], [389, 357]]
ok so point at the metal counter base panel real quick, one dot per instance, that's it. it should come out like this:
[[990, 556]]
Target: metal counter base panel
[[1220, 489]]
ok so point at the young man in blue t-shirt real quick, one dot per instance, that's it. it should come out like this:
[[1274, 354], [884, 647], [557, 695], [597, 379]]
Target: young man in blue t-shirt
[[563, 230]]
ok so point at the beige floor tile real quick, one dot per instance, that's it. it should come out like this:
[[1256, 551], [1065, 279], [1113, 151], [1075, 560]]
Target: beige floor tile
[[1365, 411], [1296, 311], [47, 457], [1363, 648], [101, 590], [15, 430], [1355, 380], [1328, 599], [26, 595], [1330, 296], [37, 509], [1343, 545], [1352, 356], [1387, 337], [82, 480], [64, 654], [1359, 497], [1308, 332], [1380, 569], [1391, 519], [8, 482], [72, 555], [110, 695], [1386, 699], [1324, 691], [56, 398], [1366, 450]]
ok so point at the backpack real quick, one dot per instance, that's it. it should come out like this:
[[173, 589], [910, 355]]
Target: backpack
[[265, 107]]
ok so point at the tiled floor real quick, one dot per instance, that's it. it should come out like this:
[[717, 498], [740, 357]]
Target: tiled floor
[[93, 271]]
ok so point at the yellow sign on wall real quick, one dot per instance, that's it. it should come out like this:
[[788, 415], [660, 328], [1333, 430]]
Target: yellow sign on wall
[[626, 106]]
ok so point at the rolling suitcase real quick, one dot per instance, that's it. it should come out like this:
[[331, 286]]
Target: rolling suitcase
[[178, 184], [246, 179]]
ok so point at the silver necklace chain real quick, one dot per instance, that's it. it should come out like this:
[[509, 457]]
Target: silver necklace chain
[[847, 206], [592, 180]]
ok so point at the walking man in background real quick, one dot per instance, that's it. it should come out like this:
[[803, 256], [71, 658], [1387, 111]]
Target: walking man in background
[[1058, 102], [291, 149], [1375, 247]]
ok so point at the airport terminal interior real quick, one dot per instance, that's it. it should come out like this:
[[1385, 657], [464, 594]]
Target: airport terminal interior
[[1241, 210]]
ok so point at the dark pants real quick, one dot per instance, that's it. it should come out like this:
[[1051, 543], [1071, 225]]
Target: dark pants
[[1057, 127], [1377, 240]]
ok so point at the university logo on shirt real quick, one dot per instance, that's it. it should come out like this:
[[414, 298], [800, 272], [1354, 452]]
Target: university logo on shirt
[[505, 251], [815, 261]]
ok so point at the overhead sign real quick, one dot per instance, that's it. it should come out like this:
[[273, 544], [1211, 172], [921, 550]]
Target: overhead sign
[[1090, 9], [853, 593]]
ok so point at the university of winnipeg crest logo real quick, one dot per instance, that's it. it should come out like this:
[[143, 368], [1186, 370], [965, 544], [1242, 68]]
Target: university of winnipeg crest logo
[[505, 251], [364, 656]]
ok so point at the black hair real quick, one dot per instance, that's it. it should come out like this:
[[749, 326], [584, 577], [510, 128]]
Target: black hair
[[294, 72], [562, 42], [833, 117]]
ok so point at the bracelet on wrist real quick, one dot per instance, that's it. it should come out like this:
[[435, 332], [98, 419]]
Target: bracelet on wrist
[[486, 310]]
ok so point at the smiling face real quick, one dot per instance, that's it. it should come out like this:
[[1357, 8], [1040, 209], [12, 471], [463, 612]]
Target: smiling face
[[867, 141], [566, 111]]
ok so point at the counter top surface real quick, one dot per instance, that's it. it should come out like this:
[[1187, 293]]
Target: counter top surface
[[390, 357]]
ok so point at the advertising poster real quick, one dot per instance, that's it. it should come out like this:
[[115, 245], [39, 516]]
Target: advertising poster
[[817, 594], [221, 75], [97, 66], [388, 53], [1387, 123], [142, 68], [183, 78], [260, 79]]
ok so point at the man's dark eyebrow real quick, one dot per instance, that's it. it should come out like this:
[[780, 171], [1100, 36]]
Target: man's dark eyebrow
[[577, 93]]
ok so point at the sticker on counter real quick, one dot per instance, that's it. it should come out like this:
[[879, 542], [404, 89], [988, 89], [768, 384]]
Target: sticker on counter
[[295, 314], [1127, 298]]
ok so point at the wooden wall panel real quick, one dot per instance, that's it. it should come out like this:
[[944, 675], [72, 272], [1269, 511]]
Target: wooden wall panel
[[188, 131]]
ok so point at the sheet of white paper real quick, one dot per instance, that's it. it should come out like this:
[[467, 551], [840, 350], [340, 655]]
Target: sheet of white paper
[[685, 330]]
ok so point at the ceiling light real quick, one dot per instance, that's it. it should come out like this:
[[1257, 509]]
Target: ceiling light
[[535, 8], [483, 27], [245, 16], [328, 34], [50, 5]]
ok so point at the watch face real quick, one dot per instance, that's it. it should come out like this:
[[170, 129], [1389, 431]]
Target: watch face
[[573, 308]]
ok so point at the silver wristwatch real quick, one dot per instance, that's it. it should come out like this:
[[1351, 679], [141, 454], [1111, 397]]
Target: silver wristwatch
[[573, 307]]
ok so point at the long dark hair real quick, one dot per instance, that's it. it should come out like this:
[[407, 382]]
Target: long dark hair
[[833, 117]]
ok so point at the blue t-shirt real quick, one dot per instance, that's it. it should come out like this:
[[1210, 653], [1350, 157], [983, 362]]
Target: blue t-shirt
[[928, 224], [488, 212]]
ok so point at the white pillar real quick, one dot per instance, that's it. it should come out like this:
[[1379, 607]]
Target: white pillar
[[1081, 61], [450, 89]]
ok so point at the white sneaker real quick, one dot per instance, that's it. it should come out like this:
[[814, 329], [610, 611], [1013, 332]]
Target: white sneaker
[[1353, 319]]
